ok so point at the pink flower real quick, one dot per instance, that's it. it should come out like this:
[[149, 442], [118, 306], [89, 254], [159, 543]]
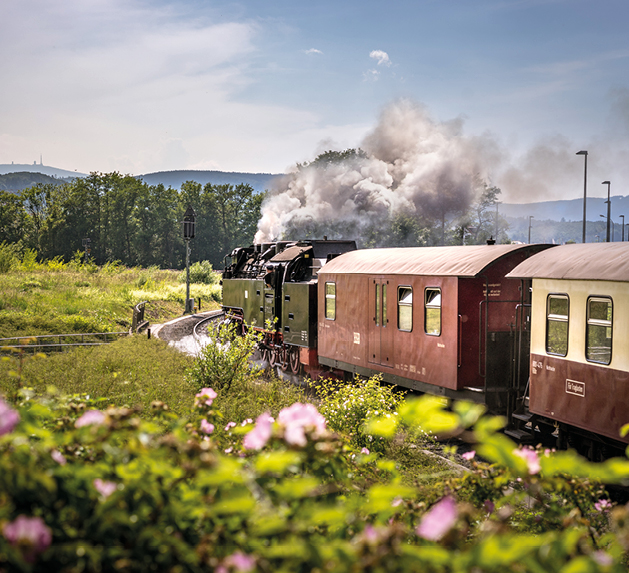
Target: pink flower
[[58, 457], [105, 488], [364, 451], [241, 562], [229, 450], [469, 455], [206, 427], [229, 426], [30, 534], [439, 520], [257, 438], [9, 418], [246, 422], [91, 417], [531, 458], [205, 397], [296, 419], [603, 559], [603, 505]]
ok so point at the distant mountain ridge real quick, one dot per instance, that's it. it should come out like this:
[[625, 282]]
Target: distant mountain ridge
[[6, 168], [568, 210]]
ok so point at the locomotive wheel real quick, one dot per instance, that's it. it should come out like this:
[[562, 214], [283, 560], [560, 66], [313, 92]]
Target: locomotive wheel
[[284, 358], [266, 355], [294, 360], [274, 359]]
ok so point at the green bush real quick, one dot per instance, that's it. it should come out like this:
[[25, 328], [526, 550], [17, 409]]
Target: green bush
[[8, 257], [347, 406], [200, 272], [225, 360], [92, 490]]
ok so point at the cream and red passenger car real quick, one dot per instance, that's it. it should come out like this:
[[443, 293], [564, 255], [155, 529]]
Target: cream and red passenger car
[[579, 357]]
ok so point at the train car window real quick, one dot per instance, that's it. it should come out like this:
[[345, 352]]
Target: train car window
[[405, 308], [599, 330], [432, 311], [557, 307], [377, 304], [330, 301]]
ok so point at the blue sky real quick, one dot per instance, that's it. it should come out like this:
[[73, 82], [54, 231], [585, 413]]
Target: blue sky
[[142, 86]]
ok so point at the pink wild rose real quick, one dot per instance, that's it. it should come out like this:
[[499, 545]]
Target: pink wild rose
[[603, 505], [91, 418], [205, 397], [241, 562], [206, 427], [57, 456], [257, 438], [30, 534], [469, 455], [105, 488], [439, 520], [296, 419], [9, 418], [531, 458]]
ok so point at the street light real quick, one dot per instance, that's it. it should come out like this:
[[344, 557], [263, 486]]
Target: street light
[[585, 187], [623, 227], [609, 207], [530, 217], [189, 218]]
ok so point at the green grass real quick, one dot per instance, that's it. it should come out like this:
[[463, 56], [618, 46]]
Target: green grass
[[131, 372], [52, 300]]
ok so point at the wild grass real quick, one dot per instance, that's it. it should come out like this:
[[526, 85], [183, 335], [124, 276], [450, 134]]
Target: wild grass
[[57, 298]]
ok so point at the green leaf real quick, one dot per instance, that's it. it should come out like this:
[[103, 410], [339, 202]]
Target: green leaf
[[385, 427], [297, 487], [277, 462], [469, 412]]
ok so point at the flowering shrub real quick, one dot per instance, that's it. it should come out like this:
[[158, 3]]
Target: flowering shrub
[[226, 362], [120, 493], [347, 407]]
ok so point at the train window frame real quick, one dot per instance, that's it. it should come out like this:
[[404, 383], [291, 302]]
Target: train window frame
[[330, 300], [430, 306], [599, 323], [555, 318], [405, 308]]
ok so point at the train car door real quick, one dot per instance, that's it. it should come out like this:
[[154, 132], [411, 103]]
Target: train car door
[[380, 328]]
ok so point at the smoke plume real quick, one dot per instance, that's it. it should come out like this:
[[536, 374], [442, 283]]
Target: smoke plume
[[413, 165]]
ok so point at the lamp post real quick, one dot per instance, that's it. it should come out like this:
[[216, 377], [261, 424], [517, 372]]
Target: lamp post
[[623, 227], [609, 208], [530, 217], [585, 187], [188, 233]]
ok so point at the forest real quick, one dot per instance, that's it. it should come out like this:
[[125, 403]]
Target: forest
[[128, 220]]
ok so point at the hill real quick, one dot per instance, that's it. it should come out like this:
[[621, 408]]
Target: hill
[[567, 210], [38, 168], [259, 181], [15, 182]]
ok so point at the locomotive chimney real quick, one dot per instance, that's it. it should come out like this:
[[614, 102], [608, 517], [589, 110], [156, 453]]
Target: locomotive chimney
[[491, 241]]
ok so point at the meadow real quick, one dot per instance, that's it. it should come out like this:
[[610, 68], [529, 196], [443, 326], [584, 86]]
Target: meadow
[[134, 457]]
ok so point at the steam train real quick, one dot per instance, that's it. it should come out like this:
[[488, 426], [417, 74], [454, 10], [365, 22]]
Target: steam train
[[526, 330]]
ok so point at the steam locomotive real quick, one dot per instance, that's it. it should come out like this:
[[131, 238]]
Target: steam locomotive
[[526, 330]]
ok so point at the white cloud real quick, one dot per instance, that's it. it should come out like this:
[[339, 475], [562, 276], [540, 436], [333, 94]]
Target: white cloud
[[313, 51], [381, 57]]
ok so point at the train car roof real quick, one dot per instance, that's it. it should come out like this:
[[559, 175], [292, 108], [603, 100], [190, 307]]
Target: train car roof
[[459, 261], [591, 261]]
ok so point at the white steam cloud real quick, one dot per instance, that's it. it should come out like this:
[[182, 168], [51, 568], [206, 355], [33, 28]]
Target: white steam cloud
[[413, 165]]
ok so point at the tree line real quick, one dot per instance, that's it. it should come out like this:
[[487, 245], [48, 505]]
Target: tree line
[[128, 220]]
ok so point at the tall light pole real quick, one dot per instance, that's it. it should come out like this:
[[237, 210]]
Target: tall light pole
[[609, 208], [530, 217], [585, 187], [623, 227]]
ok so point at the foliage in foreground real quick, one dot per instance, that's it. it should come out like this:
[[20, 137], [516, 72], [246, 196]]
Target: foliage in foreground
[[347, 407], [103, 491]]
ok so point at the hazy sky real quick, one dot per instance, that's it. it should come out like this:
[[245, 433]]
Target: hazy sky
[[140, 86]]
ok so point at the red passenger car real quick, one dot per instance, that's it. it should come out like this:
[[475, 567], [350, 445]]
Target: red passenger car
[[441, 320]]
